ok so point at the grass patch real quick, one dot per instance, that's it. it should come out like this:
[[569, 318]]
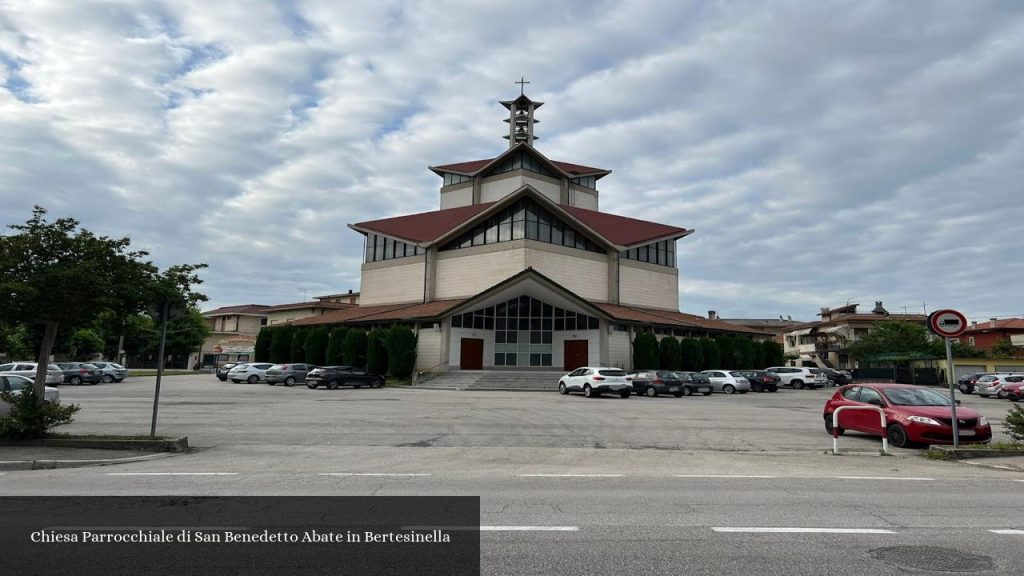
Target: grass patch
[[399, 383]]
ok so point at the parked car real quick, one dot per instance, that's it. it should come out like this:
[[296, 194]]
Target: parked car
[[695, 383], [653, 382], [54, 375], [837, 377], [1012, 381], [76, 373], [799, 377], [333, 376], [727, 382], [249, 372], [1014, 391], [223, 369], [288, 374], [111, 371], [967, 382], [15, 383], [989, 384], [760, 381], [596, 380], [914, 415]]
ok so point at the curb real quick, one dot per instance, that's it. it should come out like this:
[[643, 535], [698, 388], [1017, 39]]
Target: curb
[[13, 465], [950, 453], [174, 445]]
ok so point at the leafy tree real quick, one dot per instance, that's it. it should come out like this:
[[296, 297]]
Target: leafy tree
[[281, 344], [50, 279], [85, 343], [774, 354], [353, 349], [645, 351], [377, 351], [137, 334], [316, 346], [185, 333], [297, 350], [894, 337], [692, 355], [261, 349], [401, 351], [669, 354], [335, 346], [746, 357], [710, 352], [1003, 348], [959, 350], [16, 341], [1013, 423]]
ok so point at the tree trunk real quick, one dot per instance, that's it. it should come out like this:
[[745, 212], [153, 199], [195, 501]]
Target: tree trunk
[[43, 360]]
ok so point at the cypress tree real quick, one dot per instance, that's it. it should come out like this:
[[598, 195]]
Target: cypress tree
[[692, 355], [745, 355], [726, 352], [335, 345], [296, 352], [281, 344], [261, 350], [377, 351], [316, 346], [401, 351], [669, 354], [645, 351], [353, 349], [711, 355]]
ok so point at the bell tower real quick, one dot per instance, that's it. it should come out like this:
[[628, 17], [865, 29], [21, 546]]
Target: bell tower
[[520, 117]]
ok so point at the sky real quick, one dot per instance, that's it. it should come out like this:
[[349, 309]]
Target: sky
[[824, 152]]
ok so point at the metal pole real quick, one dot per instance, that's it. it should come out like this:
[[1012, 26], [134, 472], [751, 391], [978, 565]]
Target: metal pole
[[159, 365], [952, 392]]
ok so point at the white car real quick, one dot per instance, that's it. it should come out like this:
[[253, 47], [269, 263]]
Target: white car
[[249, 372], [15, 383], [799, 377], [54, 375], [991, 384], [727, 382], [596, 380]]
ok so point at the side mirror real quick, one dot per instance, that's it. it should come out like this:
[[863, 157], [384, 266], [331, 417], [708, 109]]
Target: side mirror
[[875, 402], [958, 402]]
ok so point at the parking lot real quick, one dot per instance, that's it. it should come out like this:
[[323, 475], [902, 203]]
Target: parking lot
[[215, 413]]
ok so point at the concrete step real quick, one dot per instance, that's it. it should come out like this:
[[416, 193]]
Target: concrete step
[[507, 380]]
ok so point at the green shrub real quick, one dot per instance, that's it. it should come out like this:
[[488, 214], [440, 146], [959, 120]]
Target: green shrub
[[316, 346], [645, 351], [712, 359], [353, 349], [692, 356], [669, 354], [1013, 424], [85, 343], [726, 352], [335, 345], [759, 358], [30, 420], [401, 351], [377, 351], [746, 357], [281, 344], [297, 350], [261, 350], [774, 355]]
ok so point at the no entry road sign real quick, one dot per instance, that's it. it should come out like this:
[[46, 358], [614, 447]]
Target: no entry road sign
[[947, 323]]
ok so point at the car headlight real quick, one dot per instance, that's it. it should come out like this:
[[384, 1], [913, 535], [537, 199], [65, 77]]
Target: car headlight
[[982, 421], [924, 420]]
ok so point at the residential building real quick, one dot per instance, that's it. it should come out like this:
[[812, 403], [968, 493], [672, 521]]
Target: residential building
[[233, 331], [984, 335]]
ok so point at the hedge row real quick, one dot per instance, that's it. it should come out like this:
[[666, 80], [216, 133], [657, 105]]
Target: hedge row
[[695, 354], [381, 351]]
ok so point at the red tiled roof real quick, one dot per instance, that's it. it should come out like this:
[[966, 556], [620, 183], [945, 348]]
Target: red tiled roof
[[672, 317], [381, 313], [1004, 324], [301, 305], [241, 309], [620, 230], [425, 226], [474, 166]]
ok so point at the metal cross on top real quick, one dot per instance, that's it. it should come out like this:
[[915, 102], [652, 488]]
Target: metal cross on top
[[522, 82]]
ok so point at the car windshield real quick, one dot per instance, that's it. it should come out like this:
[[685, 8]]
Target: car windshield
[[744, 374], [698, 377], [915, 397], [612, 372], [666, 374]]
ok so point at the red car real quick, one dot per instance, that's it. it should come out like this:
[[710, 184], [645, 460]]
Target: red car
[[914, 415], [1013, 391]]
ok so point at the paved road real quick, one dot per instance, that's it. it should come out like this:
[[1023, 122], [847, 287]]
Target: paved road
[[717, 485]]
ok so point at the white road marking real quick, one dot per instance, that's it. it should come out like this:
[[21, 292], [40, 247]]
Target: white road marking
[[570, 475], [719, 476], [172, 473], [497, 528], [884, 478], [371, 474], [1018, 480], [1007, 532], [791, 530]]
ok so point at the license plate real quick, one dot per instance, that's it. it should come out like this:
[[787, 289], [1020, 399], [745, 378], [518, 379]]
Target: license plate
[[967, 432], [674, 389]]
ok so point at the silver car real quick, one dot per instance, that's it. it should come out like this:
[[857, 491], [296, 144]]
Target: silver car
[[288, 374], [14, 383], [727, 382], [249, 372], [54, 375], [111, 371]]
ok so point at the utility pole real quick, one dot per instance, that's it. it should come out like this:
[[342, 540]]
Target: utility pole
[[160, 364]]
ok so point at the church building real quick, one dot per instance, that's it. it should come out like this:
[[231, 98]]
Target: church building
[[520, 269]]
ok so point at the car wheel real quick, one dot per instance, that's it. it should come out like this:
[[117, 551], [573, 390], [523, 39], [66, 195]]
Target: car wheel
[[624, 394], [828, 426], [687, 391], [728, 388], [898, 436], [588, 391], [798, 384], [378, 383], [75, 381], [650, 392], [253, 379], [332, 385], [289, 381], [562, 389], [107, 379]]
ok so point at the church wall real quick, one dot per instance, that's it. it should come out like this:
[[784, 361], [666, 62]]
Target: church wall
[[455, 348], [495, 188], [619, 350], [648, 285], [558, 339], [583, 273], [458, 195], [548, 187], [466, 272], [583, 198], [428, 348], [392, 281]]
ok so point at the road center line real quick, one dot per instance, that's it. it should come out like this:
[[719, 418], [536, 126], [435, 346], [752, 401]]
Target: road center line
[[793, 530], [371, 474], [720, 476], [884, 478], [172, 474], [570, 475], [1007, 532]]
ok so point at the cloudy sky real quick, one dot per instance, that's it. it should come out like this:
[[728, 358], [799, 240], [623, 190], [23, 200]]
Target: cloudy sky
[[825, 152]]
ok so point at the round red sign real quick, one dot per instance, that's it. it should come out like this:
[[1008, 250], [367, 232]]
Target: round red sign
[[947, 323]]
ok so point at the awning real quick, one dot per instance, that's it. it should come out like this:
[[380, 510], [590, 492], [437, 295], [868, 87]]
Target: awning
[[803, 332]]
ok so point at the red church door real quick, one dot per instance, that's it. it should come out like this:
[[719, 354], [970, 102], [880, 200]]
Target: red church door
[[575, 354], [472, 355]]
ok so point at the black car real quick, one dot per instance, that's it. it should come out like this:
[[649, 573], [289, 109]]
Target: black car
[[223, 369], [695, 383], [837, 377], [653, 382], [334, 376], [966, 383], [76, 373], [761, 381]]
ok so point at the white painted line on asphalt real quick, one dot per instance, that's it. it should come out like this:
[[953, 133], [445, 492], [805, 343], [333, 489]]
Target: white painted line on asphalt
[[1007, 532], [720, 476], [371, 474], [791, 530], [529, 528], [172, 474], [885, 478], [570, 475], [1018, 480]]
